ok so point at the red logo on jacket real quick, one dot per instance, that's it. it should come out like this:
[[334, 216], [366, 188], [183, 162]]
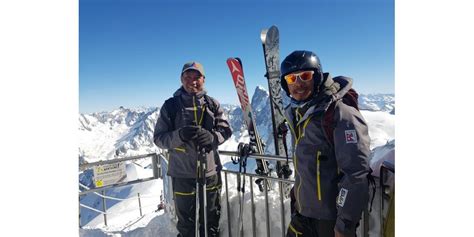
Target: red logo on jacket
[[351, 136]]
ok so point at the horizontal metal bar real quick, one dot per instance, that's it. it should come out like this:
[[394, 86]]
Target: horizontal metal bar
[[105, 162], [261, 176], [116, 185], [90, 208], [257, 156]]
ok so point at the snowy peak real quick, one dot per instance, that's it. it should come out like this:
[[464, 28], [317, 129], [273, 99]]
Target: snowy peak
[[116, 117], [125, 131], [377, 102], [120, 132], [259, 99]]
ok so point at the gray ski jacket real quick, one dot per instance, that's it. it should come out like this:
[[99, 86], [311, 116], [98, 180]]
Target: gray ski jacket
[[330, 182], [192, 110]]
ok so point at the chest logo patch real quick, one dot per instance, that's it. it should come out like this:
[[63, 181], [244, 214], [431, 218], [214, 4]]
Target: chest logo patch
[[351, 136]]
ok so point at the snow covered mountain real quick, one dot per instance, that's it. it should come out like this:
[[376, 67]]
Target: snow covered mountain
[[262, 110], [126, 132], [377, 102], [121, 132]]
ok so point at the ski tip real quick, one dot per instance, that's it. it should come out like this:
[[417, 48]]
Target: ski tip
[[230, 60], [240, 61], [274, 28], [273, 32], [263, 35]]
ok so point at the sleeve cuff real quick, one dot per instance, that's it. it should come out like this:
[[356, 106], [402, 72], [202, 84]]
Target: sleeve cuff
[[345, 227], [216, 140]]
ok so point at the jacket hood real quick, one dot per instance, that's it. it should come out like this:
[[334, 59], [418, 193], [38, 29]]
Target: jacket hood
[[336, 87], [333, 89]]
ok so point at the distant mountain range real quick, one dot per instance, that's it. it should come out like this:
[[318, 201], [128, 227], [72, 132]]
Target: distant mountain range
[[129, 131], [126, 131], [377, 102]]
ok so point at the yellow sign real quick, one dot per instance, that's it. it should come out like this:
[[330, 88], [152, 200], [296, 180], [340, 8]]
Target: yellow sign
[[109, 174]]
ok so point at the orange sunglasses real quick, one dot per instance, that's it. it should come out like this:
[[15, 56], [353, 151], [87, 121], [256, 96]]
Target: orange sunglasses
[[304, 76]]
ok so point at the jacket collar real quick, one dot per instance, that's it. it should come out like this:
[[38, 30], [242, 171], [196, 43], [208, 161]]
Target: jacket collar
[[332, 90]]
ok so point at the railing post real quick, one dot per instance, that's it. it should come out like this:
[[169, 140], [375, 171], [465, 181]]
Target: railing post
[[104, 205], [155, 163], [227, 200], [282, 209], [140, 205], [266, 208], [79, 213], [239, 230], [254, 228], [158, 161]]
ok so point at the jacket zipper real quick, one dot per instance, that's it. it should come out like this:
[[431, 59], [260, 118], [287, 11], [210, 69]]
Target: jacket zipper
[[300, 135], [203, 108], [318, 173]]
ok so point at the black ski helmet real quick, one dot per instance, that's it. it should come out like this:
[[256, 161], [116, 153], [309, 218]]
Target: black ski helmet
[[301, 60]]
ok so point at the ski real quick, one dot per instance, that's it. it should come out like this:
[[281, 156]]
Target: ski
[[235, 67], [270, 42]]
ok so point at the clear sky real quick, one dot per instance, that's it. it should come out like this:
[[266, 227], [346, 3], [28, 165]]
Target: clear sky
[[131, 51]]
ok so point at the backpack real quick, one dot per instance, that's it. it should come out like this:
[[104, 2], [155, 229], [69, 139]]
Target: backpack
[[171, 105], [351, 99]]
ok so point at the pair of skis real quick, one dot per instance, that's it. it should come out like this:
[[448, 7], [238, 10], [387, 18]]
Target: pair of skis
[[270, 43]]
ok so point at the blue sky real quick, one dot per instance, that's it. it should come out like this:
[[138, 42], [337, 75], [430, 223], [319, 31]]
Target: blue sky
[[131, 51]]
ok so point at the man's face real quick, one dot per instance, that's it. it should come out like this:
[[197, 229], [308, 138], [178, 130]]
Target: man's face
[[301, 89], [193, 81]]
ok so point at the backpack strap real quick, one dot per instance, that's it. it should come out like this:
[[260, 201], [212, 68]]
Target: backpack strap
[[350, 98], [171, 106], [328, 123], [210, 103]]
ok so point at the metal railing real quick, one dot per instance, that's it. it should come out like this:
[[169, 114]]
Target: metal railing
[[157, 173], [362, 230], [160, 166], [251, 177]]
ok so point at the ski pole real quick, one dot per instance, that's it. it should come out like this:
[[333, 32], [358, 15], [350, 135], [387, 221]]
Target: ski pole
[[244, 150], [285, 169], [245, 155], [198, 167], [202, 156]]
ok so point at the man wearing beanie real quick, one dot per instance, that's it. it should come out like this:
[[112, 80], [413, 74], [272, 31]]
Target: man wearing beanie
[[187, 121]]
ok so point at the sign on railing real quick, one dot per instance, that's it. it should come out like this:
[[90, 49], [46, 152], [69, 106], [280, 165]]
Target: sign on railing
[[109, 174]]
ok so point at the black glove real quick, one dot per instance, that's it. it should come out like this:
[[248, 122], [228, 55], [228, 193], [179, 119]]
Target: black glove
[[188, 133], [204, 138]]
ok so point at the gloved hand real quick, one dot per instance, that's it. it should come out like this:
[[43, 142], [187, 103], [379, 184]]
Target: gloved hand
[[204, 138], [188, 133]]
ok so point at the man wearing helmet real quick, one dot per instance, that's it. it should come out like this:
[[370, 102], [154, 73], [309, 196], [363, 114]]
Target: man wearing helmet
[[331, 168]]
